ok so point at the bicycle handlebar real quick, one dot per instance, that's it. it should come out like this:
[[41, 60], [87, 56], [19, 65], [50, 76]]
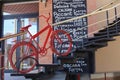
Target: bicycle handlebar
[[47, 18]]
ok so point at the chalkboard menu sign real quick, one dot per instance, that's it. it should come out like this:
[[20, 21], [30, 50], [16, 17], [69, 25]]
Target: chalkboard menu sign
[[83, 63], [67, 9], [81, 66]]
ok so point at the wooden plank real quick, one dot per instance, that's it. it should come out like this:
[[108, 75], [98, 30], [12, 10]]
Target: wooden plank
[[11, 36]]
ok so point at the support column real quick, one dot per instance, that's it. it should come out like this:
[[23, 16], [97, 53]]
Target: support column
[[45, 9], [1, 45], [18, 38]]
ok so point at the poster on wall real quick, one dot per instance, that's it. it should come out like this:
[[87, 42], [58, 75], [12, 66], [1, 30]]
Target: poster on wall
[[67, 9]]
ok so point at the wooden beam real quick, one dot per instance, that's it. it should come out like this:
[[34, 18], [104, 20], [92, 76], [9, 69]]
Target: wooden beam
[[11, 36]]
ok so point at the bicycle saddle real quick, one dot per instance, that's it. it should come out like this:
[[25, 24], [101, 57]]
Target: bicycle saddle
[[25, 28]]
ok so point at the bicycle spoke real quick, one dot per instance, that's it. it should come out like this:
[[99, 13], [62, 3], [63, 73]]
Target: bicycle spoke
[[61, 42]]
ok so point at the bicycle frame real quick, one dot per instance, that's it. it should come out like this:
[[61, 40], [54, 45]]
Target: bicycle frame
[[31, 51], [32, 37]]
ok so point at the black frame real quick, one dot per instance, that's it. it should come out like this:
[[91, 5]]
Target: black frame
[[1, 43], [18, 17]]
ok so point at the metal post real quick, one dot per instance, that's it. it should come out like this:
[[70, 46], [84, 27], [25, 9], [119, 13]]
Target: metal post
[[82, 33], [1, 44], [105, 76], [116, 19], [78, 77], [107, 16], [115, 13], [2, 60], [18, 38]]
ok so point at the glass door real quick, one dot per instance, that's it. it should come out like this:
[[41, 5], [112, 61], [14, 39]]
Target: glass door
[[15, 17], [11, 27]]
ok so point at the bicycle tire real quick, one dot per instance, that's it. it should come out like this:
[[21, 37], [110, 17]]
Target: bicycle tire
[[25, 49], [57, 47], [27, 57]]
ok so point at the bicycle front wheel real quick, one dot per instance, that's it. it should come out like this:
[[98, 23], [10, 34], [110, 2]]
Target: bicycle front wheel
[[19, 51], [61, 42]]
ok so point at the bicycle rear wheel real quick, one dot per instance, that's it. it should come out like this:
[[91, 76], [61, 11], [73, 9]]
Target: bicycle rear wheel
[[61, 43], [19, 51], [21, 61]]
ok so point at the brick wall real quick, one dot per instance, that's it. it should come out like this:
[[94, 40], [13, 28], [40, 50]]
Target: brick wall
[[91, 6], [45, 10]]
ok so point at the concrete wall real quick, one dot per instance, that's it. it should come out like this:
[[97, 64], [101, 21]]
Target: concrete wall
[[107, 59]]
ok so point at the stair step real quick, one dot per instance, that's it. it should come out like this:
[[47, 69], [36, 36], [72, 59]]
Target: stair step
[[105, 33], [65, 57], [85, 50], [95, 38], [104, 40], [96, 45], [48, 68], [115, 34], [58, 75], [48, 65], [7, 76], [29, 75], [111, 28], [116, 20], [101, 42]]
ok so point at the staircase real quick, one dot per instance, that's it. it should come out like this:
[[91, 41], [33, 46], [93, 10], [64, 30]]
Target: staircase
[[101, 38]]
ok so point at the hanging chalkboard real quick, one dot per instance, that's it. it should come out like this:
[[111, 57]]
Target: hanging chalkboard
[[84, 63], [67, 9], [81, 66]]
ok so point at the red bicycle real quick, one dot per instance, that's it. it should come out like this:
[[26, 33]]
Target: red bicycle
[[60, 43]]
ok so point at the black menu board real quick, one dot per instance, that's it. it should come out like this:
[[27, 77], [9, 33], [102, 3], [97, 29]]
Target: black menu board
[[67, 9], [84, 63], [81, 66]]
